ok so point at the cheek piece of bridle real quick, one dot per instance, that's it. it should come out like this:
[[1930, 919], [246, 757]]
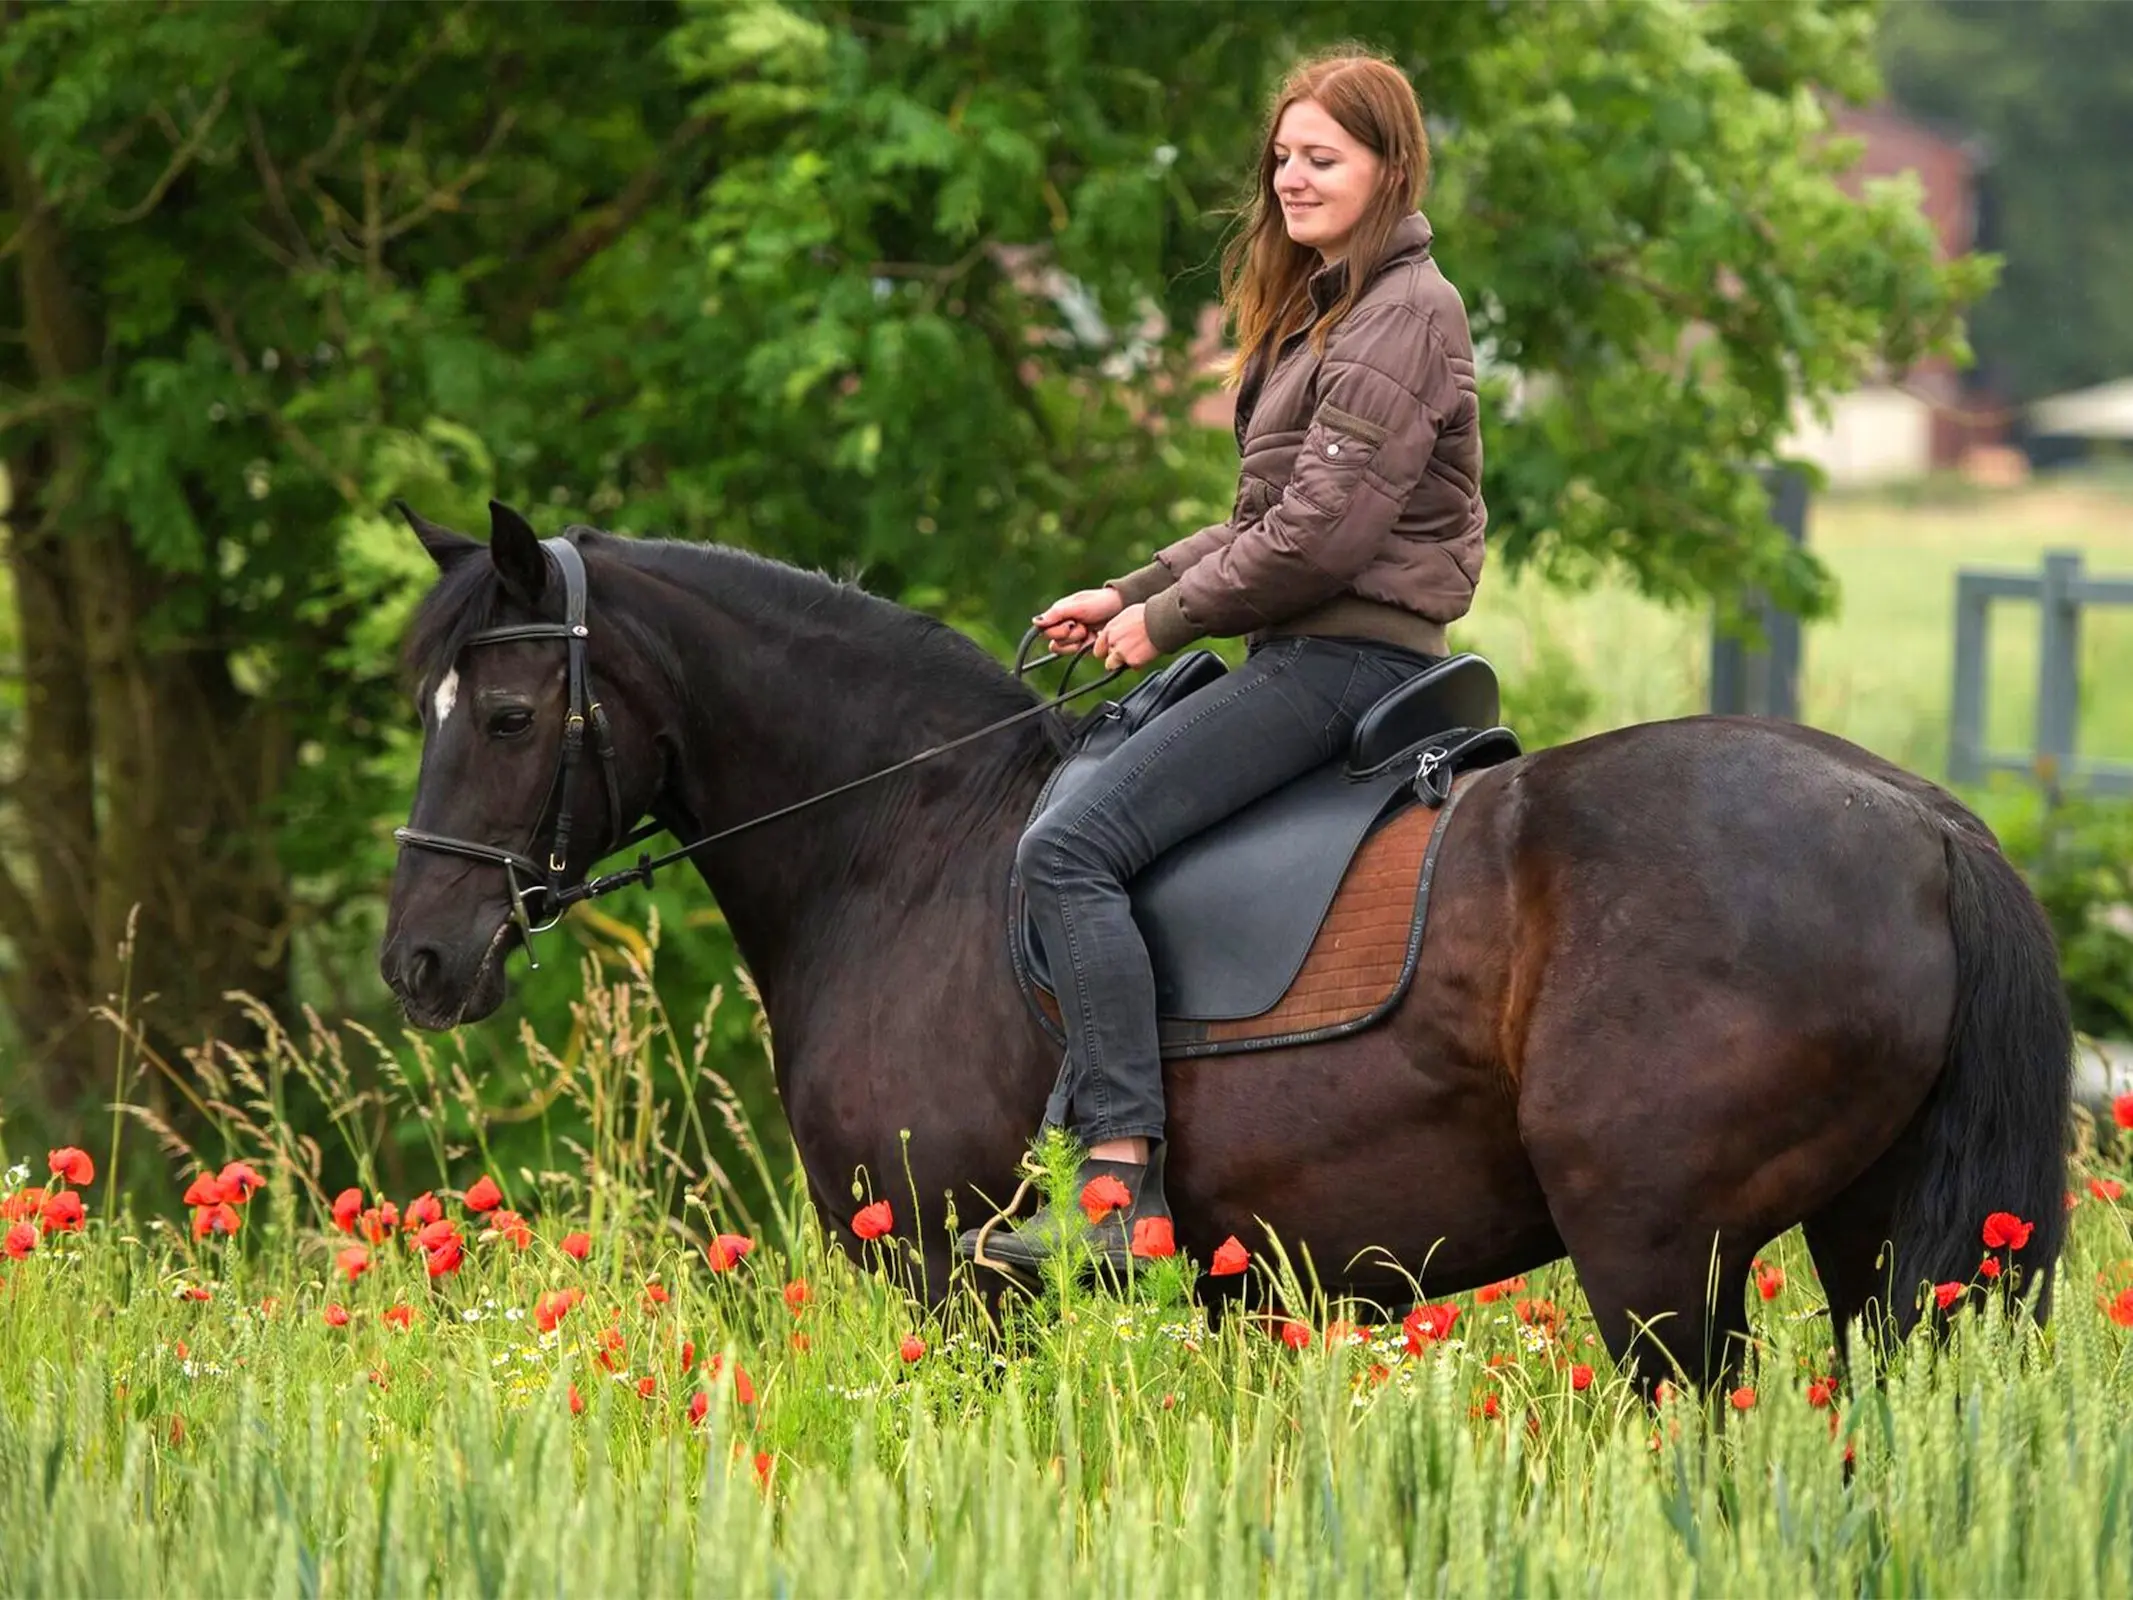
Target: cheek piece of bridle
[[529, 877]]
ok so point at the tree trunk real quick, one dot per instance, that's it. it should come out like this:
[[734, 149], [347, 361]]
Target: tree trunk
[[147, 775]]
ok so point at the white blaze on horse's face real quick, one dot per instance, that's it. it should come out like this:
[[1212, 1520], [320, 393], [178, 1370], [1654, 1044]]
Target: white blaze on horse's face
[[447, 695]]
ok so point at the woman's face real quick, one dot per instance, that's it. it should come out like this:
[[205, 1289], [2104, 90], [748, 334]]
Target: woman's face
[[1323, 178]]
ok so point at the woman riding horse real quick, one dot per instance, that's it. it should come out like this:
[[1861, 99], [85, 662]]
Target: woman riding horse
[[1355, 537]]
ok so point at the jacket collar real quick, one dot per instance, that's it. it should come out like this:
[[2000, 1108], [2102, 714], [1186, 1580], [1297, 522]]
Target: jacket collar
[[1410, 237]]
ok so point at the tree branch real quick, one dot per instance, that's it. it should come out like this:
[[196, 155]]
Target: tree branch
[[448, 196], [180, 159], [568, 256]]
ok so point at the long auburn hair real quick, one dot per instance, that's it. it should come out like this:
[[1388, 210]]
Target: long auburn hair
[[1264, 271]]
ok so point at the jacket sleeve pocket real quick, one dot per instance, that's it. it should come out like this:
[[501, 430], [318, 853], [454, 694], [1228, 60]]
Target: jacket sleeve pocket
[[1337, 449]]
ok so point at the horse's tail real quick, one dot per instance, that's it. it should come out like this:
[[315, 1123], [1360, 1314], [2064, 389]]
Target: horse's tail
[[1993, 1131]]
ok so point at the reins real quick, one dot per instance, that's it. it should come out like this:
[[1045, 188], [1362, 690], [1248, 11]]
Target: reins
[[558, 897]]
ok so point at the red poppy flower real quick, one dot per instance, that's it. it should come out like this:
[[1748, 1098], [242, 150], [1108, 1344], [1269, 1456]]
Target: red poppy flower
[[239, 1180], [445, 1261], [401, 1316], [2106, 1188], [699, 1404], [743, 1389], [1153, 1239], [336, 1316], [871, 1222], [2006, 1231], [655, 1296], [1946, 1294], [511, 1228], [2122, 1111], [347, 1206], [1425, 1325], [484, 1196], [377, 1224], [1102, 1196], [1489, 1293], [1581, 1377], [1490, 1407], [727, 1251], [799, 1343], [647, 1386], [21, 1240], [354, 1260], [549, 1309], [1340, 1333], [206, 1190], [912, 1348], [1769, 1282], [1296, 1335], [2120, 1310], [576, 1244], [1989, 1267], [688, 1354], [423, 1210], [22, 1205], [63, 1213], [764, 1461], [1231, 1258], [1742, 1399], [796, 1294], [437, 1235], [220, 1218], [1821, 1392], [1545, 1315], [577, 1400], [71, 1164]]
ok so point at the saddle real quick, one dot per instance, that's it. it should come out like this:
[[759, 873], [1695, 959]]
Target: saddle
[[1299, 917]]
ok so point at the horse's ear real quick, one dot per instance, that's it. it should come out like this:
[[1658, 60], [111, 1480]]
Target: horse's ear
[[516, 550], [446, 548]]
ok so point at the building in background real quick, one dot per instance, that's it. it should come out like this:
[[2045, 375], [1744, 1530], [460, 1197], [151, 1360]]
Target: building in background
[[1933, 417]]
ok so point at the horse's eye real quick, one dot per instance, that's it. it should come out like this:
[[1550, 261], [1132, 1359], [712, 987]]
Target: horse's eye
[[510, 722]]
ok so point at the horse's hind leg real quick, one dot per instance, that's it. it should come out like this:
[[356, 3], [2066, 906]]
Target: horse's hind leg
[[1634, 1149], [1670, 1298], [1853, 1241]]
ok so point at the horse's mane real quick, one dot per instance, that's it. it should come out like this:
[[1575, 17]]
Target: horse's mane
[[929, 656]]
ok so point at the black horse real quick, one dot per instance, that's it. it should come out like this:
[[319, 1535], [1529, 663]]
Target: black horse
[[1683, 986]]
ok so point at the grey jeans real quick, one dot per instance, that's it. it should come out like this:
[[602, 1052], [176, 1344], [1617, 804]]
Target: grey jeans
[[1292, 705]]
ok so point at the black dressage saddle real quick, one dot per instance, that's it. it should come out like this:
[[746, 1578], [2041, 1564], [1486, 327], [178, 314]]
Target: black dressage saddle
[[1230, 914]]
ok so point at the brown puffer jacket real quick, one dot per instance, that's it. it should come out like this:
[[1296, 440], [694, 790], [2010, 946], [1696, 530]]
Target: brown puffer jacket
[[1359, 509]]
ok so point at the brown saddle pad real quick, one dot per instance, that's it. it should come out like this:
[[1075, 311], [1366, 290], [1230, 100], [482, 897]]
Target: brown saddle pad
[[1359, 964]]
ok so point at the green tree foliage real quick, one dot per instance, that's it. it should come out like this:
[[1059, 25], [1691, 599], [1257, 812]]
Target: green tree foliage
[[907, 291], [2043, 89]]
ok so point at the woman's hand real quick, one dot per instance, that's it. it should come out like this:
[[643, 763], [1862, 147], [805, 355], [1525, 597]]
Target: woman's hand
[[1124, 642], [1070, 621]]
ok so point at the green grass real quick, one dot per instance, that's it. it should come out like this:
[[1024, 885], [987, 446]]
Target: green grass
[[179, 1416], [1881, 671]]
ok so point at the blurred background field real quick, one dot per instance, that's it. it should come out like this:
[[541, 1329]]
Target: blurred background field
[[1880, 671]]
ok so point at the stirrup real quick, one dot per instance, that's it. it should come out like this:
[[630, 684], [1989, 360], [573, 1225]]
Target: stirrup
[[1032, 1169]]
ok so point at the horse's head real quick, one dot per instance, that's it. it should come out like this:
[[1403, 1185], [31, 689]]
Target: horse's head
[[532, 764]]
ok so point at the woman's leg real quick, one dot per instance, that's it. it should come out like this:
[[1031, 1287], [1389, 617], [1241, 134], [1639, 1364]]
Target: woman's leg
[[1291, 706]]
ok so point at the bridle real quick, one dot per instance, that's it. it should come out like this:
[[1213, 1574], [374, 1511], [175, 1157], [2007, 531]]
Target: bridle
[[525, 874], [528, 876]]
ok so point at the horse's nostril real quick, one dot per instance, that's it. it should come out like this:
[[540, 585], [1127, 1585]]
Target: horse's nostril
[[422, 967]]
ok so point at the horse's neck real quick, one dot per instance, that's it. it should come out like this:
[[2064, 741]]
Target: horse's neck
[[789, 706]]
